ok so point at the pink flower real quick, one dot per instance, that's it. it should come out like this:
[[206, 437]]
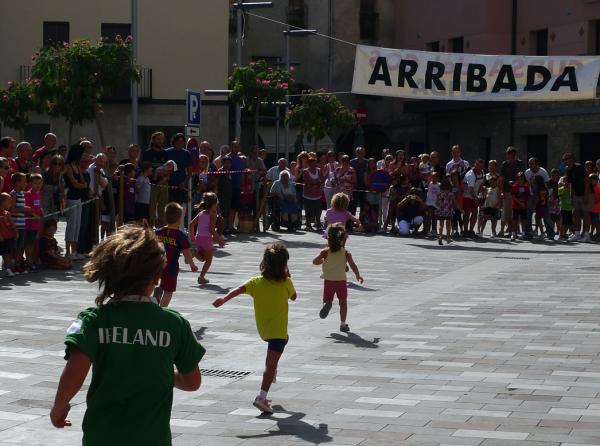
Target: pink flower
[[265, 82], [235, 65], [284, 85], [5, 98], [292, 69], [230, 78], [252, 64], [129, 38], [10, 83], [66, 44]]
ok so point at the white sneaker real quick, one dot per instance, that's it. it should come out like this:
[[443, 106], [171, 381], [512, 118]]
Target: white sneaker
[[585, 238], [513, 236], [10, 273], [263, 405], [575, 237]]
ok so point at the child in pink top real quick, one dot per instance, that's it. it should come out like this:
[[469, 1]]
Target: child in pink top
[[338, 213], [203, 231], [33, 199]]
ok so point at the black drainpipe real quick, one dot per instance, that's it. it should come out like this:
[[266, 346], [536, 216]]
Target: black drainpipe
[[513, 50]]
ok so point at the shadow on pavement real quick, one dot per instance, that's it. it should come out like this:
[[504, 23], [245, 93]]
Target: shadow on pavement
[[200, 333], [354, 339], [42, 276], [457, 247], [356, 286], [212, 287], [293, 426]]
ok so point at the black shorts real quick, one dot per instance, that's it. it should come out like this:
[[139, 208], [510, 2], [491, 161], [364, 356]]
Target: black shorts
[[31, 236], [277, 345], [519, 214], [179, 196], [566, 218], [236, 197], [6, 246]]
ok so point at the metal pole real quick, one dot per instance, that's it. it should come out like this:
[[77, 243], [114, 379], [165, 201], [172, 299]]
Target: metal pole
[[238, 108], [134, 84], [287, 97], [277, 134]]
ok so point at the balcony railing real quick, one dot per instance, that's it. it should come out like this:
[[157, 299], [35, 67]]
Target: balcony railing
[[121, 94]]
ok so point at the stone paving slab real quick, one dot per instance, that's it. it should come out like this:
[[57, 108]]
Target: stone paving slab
[[476, 343]]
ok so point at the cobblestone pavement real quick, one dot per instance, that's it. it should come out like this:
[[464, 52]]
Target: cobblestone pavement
[[477, 343]]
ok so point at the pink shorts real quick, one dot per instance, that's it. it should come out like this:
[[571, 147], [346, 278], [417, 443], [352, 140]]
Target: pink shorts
[[204, 244], [335, 287]]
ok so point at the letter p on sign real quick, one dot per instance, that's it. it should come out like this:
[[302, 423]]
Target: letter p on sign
[[193, 107]]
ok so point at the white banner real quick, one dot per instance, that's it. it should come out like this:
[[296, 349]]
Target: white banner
[[472, 77]]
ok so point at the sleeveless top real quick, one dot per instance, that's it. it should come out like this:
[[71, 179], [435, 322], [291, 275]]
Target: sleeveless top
[[203, 226], [312, 187], [72, 192], [334, 266]]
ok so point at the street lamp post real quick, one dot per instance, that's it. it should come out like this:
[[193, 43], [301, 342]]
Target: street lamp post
[[291, 33], [134, 85], [240, 7]]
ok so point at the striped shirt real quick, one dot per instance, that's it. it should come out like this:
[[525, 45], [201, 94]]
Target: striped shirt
[[19, 217]]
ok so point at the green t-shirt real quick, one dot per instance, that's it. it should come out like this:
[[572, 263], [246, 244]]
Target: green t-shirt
[[564, 198], [270, 306], [132, 346]]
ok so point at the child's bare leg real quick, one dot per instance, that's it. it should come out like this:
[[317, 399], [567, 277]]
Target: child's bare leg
[[448, 228], [494, 224], [208, 257], [200, 255], [166, 298], [270, 369], [343, 310]]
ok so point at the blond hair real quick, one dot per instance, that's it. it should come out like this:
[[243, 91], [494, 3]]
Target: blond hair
[[340, 201], [125, 263]]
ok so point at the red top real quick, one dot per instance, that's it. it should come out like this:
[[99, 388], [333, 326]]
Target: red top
[[12, 168], [34, 201], [8, 230], [521, 193]]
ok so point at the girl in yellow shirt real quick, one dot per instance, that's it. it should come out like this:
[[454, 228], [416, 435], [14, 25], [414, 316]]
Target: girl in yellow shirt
[[270, 292], [334, 259]]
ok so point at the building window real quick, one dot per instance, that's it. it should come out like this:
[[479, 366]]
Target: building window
[[596, 27], [541, 42], [433, 46], [55, 33], [368, 20], [110, 31], [537, 147], [457, 45], [297, 14]]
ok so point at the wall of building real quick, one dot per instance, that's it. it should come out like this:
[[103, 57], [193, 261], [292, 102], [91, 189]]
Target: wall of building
[[176, 39]]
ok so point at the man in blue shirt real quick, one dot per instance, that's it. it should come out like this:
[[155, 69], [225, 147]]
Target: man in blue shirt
[[359, 164], [183, 159]]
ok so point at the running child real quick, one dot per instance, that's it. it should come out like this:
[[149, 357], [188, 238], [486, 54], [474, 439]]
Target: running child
[[445, 207], [132, 344], [338, 213], [175, 243], [334, 259], [540, 203], [19, 213], [433, 190], [203, 231], [49, 254], [8, 234], [270, 292]]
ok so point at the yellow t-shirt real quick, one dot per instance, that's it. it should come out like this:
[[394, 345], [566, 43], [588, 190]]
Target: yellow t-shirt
[[270, 305], [334, 266]]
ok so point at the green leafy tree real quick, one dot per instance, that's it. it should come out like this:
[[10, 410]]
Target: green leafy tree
[[320, 113], [16, 103], [73, 78], [255, 83]]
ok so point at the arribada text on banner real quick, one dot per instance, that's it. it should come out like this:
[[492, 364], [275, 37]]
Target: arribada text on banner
[[473, 77]]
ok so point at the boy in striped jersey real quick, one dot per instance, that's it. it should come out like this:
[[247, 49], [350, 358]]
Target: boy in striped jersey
[[19, 213]]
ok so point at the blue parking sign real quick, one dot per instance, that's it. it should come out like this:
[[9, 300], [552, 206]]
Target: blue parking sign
[[193, 102]]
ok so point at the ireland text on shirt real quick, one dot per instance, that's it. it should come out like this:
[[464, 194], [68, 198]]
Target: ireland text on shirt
[[121, 335]]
